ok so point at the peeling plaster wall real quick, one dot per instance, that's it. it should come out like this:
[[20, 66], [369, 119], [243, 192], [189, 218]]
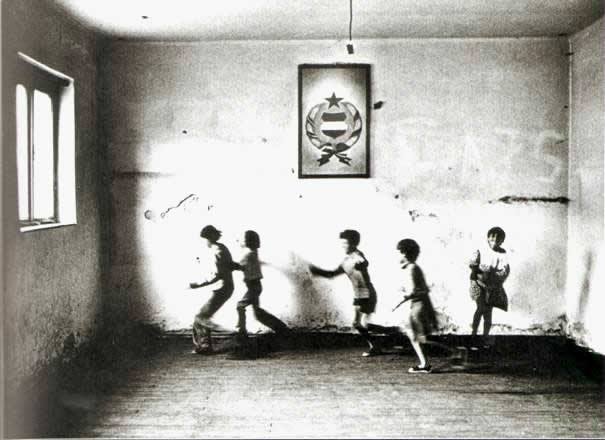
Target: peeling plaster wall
[[586, 161], [52, 291], [210, 130]]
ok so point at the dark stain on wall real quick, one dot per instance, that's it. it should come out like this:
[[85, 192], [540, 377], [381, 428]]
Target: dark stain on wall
[[137, 174], [415, 214], [523, 199], [190, 197]]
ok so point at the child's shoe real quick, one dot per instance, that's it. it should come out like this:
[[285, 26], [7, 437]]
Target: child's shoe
[[202, 350], [418, 369], [372, 352], [459, 358]]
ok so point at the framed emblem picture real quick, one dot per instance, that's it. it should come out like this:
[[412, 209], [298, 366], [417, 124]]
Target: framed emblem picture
[[334, 120]]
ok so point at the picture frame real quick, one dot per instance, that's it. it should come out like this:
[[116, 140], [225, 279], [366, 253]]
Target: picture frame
[[334, 120]]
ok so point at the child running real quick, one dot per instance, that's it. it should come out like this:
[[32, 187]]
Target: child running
[[222, 278], [422, 319], [355, 266], [250, 266]]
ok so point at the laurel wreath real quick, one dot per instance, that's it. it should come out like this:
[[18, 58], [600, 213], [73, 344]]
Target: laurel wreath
[[330, 149]]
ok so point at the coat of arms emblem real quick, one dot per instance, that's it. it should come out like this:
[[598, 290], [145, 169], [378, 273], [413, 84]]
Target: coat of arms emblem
[[333, 127]]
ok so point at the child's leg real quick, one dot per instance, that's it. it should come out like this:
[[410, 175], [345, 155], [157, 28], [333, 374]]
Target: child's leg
[[198, 333], [477, 317], [360, 324], [255, 288], [444, 347], [487, 321], [419, 327], [418, 349], [241, 314], [250, 298], [202, 322], [376, 328], [357, 323], [269, 320], [202, 340]]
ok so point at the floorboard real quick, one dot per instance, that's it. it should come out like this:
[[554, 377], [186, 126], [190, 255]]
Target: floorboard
[[334, 392]]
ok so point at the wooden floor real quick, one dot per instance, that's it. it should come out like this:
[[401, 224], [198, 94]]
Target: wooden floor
[[336, 393]]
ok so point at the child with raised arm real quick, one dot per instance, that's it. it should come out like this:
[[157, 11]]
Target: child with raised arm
[[222, 278], [249, 264], [355, 266], [422, 319], [489, 269]]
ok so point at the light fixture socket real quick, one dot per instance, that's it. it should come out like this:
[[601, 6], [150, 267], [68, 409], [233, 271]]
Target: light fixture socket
[[350, 49]]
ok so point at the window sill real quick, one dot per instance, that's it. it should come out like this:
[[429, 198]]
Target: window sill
[[45, 226]]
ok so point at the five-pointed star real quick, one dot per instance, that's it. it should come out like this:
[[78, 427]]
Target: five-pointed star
[[333, 100]]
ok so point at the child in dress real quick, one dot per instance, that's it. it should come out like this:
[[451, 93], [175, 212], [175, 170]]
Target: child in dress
[[355, 266], [422, 319], [250, 266], [489, 269]]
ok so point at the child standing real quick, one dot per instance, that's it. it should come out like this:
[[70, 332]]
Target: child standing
[[489, 270], [222, 278], [422, 319], [250, 265], [355, 266]]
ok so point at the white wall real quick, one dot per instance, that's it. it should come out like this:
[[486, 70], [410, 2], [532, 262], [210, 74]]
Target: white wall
[[586, 161], [465, 122]]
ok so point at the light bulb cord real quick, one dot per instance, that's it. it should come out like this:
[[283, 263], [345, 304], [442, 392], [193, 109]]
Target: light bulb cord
[[350, 20]]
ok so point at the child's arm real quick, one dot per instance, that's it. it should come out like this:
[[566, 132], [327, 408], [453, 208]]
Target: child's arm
[[414, 295], [501, 275], [214, 279], [475, 259], [474, 272], [244, 261], [195, 285], [326, 273], [217, 281], [223, 265], [474, 264], [361, 264], [405, 298]]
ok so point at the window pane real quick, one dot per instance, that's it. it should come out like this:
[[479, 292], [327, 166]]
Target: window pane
[[43, 163], [22, 153]]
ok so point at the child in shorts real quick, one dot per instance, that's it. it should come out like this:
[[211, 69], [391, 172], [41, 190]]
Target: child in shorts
[[355, 266]]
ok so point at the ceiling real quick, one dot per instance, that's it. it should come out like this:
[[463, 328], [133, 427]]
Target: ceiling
[[193, 20]]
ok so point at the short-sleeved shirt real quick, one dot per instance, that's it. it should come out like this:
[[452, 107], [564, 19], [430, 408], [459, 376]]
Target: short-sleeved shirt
[[251, 265], [224, 265], [491, 261], [359, 276], [414, 282]]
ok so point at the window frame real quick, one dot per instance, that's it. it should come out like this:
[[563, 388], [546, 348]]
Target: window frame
[[32, 76]]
